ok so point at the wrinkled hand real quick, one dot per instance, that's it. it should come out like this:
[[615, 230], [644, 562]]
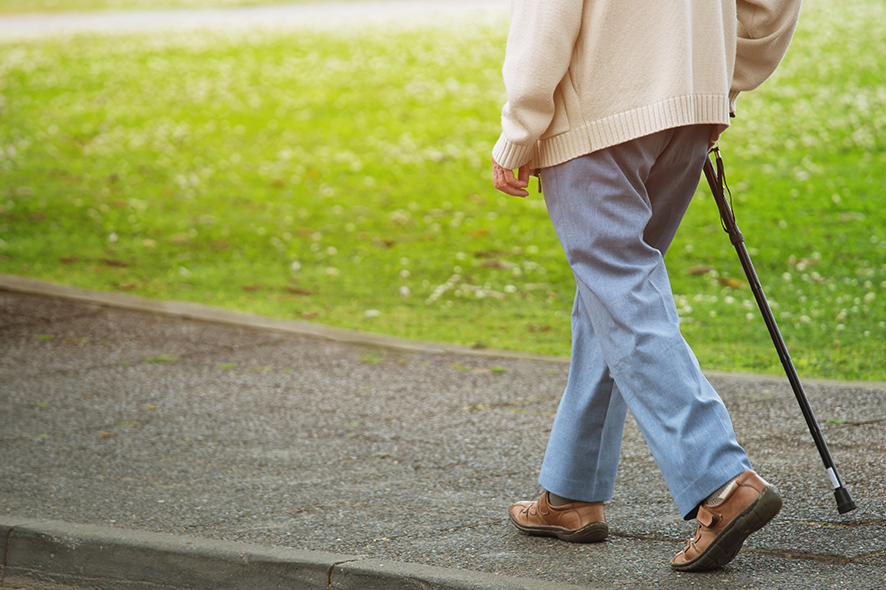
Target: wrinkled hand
[[505, 181]]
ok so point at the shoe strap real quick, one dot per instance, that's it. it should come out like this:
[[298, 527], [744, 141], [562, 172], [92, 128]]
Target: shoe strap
[[708, 518]]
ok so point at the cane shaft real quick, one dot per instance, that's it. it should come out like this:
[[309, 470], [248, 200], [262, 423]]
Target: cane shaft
[[715, 180]]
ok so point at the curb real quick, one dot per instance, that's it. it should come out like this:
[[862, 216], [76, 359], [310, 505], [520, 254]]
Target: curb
[[205, 313], [53, 554]]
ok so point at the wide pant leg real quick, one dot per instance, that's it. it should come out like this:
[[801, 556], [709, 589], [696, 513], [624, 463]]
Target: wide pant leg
[[615, 212]]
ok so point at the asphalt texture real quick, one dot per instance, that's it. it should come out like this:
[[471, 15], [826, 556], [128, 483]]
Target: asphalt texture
[[150, 444], [127, 417]]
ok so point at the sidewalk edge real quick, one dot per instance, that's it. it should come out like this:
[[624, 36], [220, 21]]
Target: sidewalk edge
[[51, 553], [205, 313]]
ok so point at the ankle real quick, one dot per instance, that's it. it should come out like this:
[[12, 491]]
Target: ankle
[[555, 500]]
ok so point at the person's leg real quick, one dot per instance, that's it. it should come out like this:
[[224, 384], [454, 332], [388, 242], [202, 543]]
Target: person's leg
[[582, 455], [608, 209], [581, 458]]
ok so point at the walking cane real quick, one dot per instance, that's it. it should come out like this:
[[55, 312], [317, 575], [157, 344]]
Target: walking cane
[[717, 183]]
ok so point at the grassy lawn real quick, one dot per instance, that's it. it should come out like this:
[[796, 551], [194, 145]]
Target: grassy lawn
[[344, 179], [22, 6]]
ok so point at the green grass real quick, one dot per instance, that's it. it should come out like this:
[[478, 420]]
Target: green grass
[[344, 179], [27, 6]]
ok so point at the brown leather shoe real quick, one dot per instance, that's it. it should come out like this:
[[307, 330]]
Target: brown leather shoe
[[723, 527], [576, 522]]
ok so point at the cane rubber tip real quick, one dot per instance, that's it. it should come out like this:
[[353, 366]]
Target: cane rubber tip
[[844, 500]]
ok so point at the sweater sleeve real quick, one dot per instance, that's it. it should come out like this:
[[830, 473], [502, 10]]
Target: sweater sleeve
[[765, 29], [539, 50]]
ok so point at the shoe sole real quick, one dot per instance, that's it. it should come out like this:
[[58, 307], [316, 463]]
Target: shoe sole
[[727, 544], [590, 533]]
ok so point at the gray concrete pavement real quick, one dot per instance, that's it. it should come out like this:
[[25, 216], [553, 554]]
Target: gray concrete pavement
[[240, 452], [168, 445]]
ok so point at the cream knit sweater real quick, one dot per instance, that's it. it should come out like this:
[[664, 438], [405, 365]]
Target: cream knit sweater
[[582, 75]]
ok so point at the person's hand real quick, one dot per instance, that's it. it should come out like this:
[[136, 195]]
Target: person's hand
[[505, 181]]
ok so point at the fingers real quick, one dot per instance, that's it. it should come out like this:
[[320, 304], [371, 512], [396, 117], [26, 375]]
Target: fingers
[[523, 174], [505, 181]]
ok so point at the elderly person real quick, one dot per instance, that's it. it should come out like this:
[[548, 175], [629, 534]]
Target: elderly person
[[614, 104]]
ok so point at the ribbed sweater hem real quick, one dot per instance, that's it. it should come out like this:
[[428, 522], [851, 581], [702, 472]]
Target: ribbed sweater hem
[[589, 137]]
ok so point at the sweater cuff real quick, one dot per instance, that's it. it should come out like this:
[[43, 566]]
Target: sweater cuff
[[510, 155]]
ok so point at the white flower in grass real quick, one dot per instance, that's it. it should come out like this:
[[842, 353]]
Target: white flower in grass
[[295, 266], [372, 313], [404, 291]]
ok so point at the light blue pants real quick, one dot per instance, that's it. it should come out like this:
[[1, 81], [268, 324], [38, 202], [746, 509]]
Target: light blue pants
[[615, 212]]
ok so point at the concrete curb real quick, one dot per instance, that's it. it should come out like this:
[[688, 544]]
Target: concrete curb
[[55, 554], [205, 313]]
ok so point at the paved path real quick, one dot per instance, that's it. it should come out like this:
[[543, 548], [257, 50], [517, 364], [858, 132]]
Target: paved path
[[325, 14], [365, 459], [165, 445]]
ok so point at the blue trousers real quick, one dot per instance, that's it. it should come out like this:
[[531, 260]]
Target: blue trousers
[[615, 212]]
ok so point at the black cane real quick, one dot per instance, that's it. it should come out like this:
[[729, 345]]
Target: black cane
[[717, 183]]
